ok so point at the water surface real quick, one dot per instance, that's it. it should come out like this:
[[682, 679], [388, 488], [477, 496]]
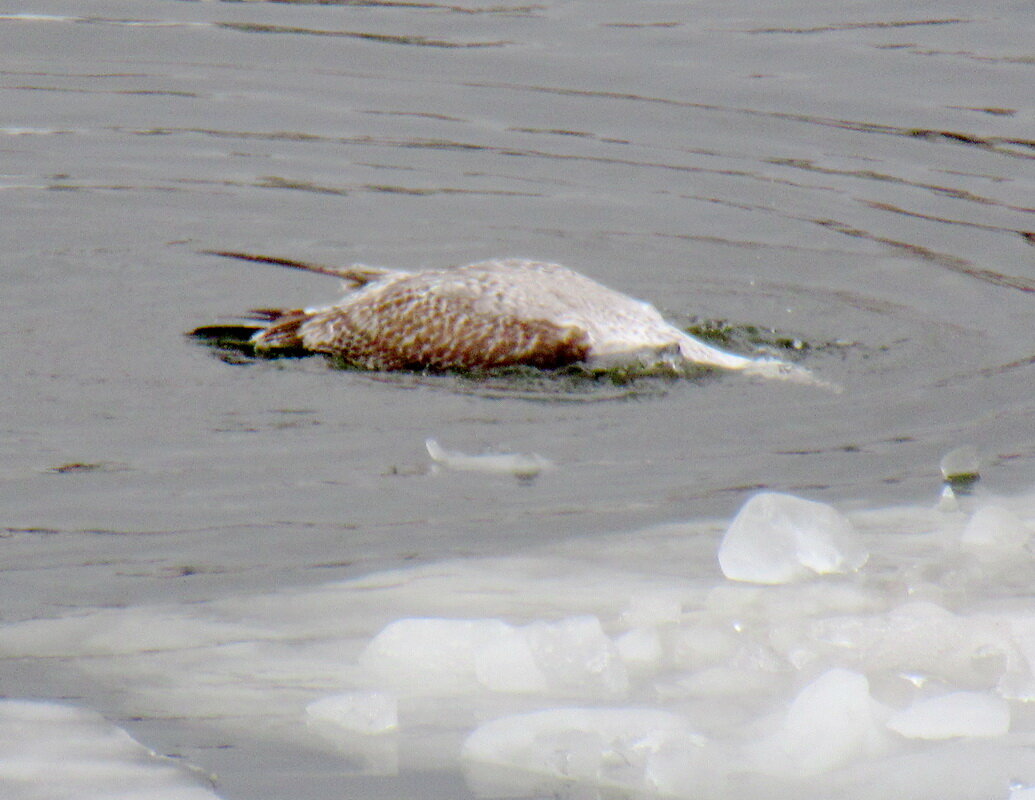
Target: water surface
[[857, 178]]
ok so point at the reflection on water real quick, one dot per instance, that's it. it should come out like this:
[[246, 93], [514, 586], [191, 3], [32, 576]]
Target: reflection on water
[[856, 179]]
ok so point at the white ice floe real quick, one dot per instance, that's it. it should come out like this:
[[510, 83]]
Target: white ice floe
[[779, 538], [520, 465], [51, 751], [953, 715], [613, 663]]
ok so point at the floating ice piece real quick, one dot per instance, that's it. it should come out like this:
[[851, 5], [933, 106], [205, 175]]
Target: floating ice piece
[[832, 722], [431, 655], [994, 528], [923, 639], [953, 715], [640, 648], [55, 751], [572, 656], [947, 500], [367, 712], [779, 538], [518, 464], [961, 465], [577, 657], [605, 747], [653, 608]]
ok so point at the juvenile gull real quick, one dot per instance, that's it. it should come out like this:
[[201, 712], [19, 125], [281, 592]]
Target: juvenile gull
[[496, 313]]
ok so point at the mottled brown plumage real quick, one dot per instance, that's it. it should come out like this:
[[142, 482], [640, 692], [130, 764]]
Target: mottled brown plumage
[[491, 314]]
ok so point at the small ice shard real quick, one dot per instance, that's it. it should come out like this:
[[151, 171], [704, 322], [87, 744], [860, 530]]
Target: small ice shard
[[518, 464], [602, 746], [366, 712], [832, 722], [778, 538], [961, 466], [947, 501], [994, 528], [953, 715]]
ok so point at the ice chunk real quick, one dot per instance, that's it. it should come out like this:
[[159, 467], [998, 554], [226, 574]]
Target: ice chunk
[[922, 639], [431, 655], [367, 712], [961, 465], [518, 464], [830, 723], [51, 751], [608, 747], [995, 529], [507, 664], [577, 657], [572, 656], [640, 648], [777, 538], [952, 715], [653, 608]]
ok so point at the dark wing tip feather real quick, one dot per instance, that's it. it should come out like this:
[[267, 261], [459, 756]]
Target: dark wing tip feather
[[357, 274]]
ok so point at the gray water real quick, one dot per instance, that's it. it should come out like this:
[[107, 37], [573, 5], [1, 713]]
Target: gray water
[[859, 178]]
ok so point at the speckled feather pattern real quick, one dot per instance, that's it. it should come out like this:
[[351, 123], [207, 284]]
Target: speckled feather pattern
[[489, 314]]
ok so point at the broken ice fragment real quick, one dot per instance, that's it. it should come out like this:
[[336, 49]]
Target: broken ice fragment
[[360, 712], [960, 467], [777, 538], [952, 715], [520, 465]]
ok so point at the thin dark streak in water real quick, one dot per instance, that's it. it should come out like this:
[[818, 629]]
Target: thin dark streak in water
[[39, 74], [276, 182], [641, 25], [916, 50], [866, 174], [991, 143], [950, 262], [986, 372], [882, 206], [555, 132], [78, 90], [419, 114], [384, 38], [409, 4], [855, 26], [996, 112]]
